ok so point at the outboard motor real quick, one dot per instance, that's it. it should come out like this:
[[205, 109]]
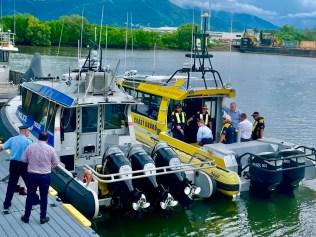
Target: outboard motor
[[266, 171], [115, 162], [156, 193], [296, 166], [177, 183]]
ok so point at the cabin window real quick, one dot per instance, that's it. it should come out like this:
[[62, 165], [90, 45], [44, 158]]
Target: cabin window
[[90, 119], [51, 116], [151, 105], [114, 116], [68, 120], [33, 105], [40, 114], [26, 98], [4, 56]]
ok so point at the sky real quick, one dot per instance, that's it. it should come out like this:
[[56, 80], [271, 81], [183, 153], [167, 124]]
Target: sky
[[301, 13]]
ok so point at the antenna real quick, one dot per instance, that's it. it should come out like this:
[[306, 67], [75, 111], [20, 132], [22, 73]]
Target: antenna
[[79, 74], [154, 62], [100, 39], [132, 40], [81, 32], [210, 15], [201, 19], [1, 13], [14, 16], [230, 45], [95, 34], [126, 39], [192, 37], [106, 43], [61, 35]]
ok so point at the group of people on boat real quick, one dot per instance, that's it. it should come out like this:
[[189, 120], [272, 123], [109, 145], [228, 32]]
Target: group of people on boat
[[236, 126]]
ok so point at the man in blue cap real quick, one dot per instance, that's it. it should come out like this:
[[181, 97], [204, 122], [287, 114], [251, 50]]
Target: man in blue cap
[[17, 145]]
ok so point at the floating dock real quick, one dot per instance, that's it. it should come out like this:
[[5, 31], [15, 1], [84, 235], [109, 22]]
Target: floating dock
[[61, 223]]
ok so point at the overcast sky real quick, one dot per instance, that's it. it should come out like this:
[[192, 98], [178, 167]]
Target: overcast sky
[[301, 13]]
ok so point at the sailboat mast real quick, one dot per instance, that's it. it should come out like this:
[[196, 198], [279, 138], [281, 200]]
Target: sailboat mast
[[126, 39]]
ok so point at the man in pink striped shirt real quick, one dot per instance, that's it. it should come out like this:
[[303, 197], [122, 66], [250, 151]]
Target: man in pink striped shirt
[[41, 159]]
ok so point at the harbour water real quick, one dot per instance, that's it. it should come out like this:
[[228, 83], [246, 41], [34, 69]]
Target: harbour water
[[281, 88]]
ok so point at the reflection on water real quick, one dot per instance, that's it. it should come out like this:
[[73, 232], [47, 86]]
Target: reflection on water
[[281, 88]]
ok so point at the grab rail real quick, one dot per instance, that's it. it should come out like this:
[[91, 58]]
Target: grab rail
[[305, 155], [137, 174]]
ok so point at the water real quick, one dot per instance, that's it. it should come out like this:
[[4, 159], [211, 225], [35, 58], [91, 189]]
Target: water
[[281, 88]]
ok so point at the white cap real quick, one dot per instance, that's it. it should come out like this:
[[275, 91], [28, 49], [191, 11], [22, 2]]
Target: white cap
[[227, 117]]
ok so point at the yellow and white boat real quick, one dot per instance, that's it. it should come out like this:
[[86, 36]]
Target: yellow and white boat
[[160, 94], [195, 85]]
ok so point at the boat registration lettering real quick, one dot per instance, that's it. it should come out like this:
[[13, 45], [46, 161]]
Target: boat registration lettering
[[144, 123], [37, 125], [22, 116], [259, 165]]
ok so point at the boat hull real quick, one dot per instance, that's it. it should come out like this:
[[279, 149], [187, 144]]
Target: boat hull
[[227, 182]]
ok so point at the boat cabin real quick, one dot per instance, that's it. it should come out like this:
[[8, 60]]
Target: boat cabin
[[159, 100], [6, 47], [82, 118]]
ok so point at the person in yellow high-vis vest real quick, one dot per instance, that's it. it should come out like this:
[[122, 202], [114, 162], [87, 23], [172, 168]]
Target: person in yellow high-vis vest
[[258, 126], [205, 116], [178, 118]]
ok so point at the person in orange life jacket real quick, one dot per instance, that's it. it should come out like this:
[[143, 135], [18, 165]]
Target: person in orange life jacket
[[227, 133], [258, 126], [178, 118]]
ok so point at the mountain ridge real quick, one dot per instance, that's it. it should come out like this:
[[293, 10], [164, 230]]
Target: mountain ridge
[[153, 13]]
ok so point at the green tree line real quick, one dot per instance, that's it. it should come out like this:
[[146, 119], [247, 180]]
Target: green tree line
[[290, 33], [32, 31]]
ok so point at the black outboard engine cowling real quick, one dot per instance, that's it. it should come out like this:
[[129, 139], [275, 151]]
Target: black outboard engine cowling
[[114, 162], [156, 193], [177, 183], [266, 171], [295, 166]]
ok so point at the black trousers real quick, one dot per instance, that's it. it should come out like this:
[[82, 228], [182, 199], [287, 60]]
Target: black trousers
[[244, 140], [177, 134], [205, 141], [17, 169]]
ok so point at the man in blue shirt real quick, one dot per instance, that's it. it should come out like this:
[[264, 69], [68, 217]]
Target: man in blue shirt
[[17, 146], [234, 113], [204, 134]]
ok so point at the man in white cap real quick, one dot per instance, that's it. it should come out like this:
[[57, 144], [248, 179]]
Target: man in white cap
[[227, 133]]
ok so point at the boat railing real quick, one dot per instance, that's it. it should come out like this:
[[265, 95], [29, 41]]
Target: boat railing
[[215, 76], [307, 153], [6, 39], [138, 174]]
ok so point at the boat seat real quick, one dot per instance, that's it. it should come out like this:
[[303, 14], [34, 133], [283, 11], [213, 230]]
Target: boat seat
[[268, 155], [290, 152]]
